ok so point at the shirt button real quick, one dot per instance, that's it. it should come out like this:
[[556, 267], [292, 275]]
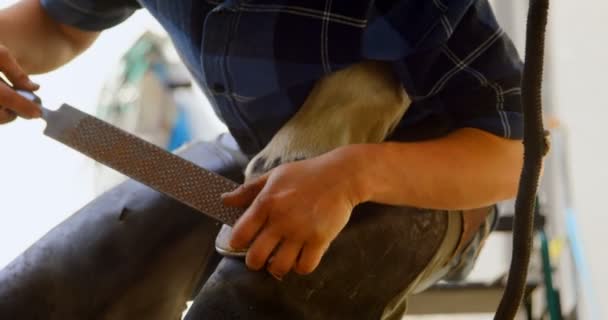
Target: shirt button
[[218, 88]]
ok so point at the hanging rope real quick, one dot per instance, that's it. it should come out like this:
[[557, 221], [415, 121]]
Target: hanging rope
[[535, 147]]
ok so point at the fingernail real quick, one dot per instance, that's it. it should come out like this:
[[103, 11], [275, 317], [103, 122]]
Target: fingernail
[[276, 276], [33, 84], [37, 113]]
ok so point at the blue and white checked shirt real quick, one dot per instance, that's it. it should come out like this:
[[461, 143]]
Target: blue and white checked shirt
[[258, 59]]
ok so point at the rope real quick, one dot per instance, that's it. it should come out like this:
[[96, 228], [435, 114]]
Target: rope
[[535, 147]]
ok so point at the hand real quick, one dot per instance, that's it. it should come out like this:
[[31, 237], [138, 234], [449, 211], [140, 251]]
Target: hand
[[11, 103], [294, 212]]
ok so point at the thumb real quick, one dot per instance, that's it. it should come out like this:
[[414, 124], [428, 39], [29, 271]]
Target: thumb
[[244, 195]]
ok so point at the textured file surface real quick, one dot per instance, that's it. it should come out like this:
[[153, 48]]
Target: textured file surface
[[142, 161]]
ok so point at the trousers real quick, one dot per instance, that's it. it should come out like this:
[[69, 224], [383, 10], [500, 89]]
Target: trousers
[[133, 253]]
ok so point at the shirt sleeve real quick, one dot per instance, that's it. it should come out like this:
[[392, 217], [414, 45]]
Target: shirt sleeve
[[457, 65], [90, 15]]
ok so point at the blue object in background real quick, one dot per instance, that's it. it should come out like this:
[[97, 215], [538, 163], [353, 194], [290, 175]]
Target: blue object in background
[[181, 132]]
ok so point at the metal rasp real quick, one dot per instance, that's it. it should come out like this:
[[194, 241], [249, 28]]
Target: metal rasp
[[140, 160]]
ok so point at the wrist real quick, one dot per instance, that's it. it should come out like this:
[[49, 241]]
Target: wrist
[[359, 162]]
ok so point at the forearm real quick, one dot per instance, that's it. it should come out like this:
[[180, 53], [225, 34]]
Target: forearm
[[39, 43], [466, 169]]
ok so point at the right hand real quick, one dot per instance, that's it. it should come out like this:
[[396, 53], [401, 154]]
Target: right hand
[[11, 103]]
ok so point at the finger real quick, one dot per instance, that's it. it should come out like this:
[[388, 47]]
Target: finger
[[6, 115], [13, 71], [249, 224], [242, 196], [15, 102], [310, 258], [261, 248], [284, 259]]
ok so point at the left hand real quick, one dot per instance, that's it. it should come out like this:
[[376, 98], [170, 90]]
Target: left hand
[[294, 212]]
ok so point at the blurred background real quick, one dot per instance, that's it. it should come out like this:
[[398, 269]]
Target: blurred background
[[43, 182]]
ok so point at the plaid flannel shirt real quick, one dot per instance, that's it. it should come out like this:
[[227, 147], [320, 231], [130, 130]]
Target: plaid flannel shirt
[[257, 60]]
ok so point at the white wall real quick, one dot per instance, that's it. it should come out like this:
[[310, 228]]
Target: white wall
[[580, 48]]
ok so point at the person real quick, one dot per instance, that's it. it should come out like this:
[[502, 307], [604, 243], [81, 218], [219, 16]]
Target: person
[[457, 150]]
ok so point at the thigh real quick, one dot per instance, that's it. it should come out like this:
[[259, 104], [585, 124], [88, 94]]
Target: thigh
[[132, 253], [375, 258]]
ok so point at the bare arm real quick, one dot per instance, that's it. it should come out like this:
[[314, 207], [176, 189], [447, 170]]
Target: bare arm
[[38, 43], [467, 169], [30, 43], [308, 202]]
